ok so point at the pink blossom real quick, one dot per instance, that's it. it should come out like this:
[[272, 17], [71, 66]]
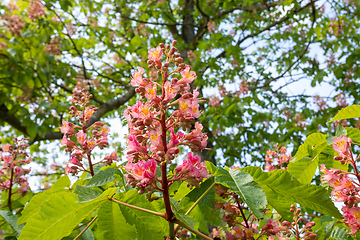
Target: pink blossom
[[67, 128], [74, 160], [175, 139], [24, 188], [70, 169], [105, 131], [273, 228], [341, 144], [88, 113], [68, 143], [102, 142], [352, 218], [151, 93], [134, 145], [139, 110], [187, 76], [112, 157], [192, 170], [137, 80], [18, 172], [329, 175], [155, 54], [81, 137], [53, 47], [170, 90], [142, 170], [36, 9], [188, 108], [91, 144], [156, 140], [6, 147]]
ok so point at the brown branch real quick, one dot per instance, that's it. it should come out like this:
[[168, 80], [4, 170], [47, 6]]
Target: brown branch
[[103, 109], [267, 83]]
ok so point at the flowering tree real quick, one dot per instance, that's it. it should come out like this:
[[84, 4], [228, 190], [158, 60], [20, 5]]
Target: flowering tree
[[154, 197], [52, 51], [248, 52]]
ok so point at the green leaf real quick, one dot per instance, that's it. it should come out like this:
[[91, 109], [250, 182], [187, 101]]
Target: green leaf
[[304, 169], [86, 194], [353, 133], [281, 189], [339, 233], [182, 191], [243, 185], [103, 177], [309, 146], [87, 235], [58, 216], [347, 113], [112, 223], [33, 207], [211, 167], [12, 221], [186, 219], [148, 226], [204, 211], [304, 164]]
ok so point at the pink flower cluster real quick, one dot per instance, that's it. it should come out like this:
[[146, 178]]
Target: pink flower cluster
[[35, 10], [12, 173], [87, 137], [278, 156], [53, 48], [13, 23], [344, 188], [154, 130]]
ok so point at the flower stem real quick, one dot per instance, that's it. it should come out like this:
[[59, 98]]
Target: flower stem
[[139, 208], [10, 188], [90, 164], [164, 181]]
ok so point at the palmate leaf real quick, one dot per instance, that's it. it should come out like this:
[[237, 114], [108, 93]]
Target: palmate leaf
[[347, 113], [58, 216], [148, 226], [281, 189], [112, 223], [12, 220], [243, 185], [304, 164]]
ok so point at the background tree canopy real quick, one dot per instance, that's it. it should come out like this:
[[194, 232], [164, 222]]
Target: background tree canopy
[[247, 55]]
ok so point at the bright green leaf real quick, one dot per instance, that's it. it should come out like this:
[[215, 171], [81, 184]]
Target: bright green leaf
[[12, 221], [243, 185], [112, 223], [281, 188], [347, 113], [103, 177]]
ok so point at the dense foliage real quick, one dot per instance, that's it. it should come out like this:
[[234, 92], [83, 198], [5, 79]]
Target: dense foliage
[[256, 62]]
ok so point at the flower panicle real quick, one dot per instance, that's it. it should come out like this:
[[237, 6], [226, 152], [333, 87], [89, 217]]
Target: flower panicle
[[159, 122], [85, 136]]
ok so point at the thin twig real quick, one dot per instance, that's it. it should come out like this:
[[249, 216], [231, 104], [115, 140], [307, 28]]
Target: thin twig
[[139, 208], [86, 228]]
